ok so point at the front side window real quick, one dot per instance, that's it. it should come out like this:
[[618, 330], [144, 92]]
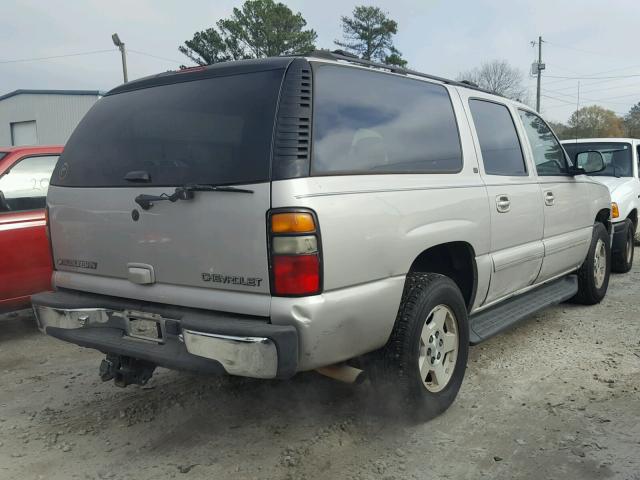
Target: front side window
[[25, 185], [547, 152], [499, 143], [618, 158], [371, 122]]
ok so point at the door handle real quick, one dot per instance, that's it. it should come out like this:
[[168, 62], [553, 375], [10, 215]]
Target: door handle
[[549, 198], [503, 204]]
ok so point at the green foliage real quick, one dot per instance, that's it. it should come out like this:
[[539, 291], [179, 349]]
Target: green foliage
[[593, 122], [632, 122], [368, 34], [260, 28]]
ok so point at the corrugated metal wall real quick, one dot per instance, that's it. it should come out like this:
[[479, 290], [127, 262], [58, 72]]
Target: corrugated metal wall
[[56, 115]]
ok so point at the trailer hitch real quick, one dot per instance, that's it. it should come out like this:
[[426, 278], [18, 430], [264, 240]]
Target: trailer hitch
[[125, 370]]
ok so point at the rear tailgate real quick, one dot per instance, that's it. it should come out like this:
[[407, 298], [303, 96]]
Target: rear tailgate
[[214, 131]]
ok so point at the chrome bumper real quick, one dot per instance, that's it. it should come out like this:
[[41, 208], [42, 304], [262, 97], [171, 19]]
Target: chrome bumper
[[248, 356], [243, 356]]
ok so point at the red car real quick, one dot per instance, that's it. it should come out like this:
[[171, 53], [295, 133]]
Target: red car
[[25, 265]]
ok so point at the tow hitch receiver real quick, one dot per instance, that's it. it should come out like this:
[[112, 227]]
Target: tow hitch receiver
[[125, 370]]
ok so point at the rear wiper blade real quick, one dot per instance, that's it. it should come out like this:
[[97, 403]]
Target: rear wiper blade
[[185, 192], [197, 187]]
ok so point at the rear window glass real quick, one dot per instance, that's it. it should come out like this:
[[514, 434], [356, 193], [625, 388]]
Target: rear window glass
[[213, 131], [369, 122]]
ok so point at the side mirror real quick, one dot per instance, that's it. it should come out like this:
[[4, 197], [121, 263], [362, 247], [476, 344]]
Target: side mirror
[[4, 206], [588, 162]]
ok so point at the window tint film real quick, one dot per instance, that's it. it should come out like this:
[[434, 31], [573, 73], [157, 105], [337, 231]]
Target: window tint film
[[501, 151], [547, 152], [617, 157], [25, 185], [213, 131], [369, 122]]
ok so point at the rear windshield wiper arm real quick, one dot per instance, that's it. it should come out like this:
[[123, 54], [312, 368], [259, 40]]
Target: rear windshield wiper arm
[[185, 192]]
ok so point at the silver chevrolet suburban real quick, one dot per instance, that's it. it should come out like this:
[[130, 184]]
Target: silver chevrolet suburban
[[265, 217]]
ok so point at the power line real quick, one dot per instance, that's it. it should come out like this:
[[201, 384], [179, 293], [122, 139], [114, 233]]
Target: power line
[[598, 73], [615, 87], [155, 56], [566, 47], [605, 99], [36, 59], [52, 57], [557, 99], [595, 78]]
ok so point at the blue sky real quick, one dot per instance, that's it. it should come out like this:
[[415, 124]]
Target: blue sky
[[585, 39]]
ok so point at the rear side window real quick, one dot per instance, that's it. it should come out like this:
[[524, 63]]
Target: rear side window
[[370, 122], [547, 152], [499, 143], [213, 131], [25, 185]]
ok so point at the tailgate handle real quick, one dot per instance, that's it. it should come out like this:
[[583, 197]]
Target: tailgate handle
[[141, 273]]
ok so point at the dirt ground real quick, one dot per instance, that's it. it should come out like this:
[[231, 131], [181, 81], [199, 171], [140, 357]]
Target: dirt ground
[[556, 398]]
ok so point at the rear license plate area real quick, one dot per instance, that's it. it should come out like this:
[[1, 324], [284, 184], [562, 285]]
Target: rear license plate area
[[145, 329]]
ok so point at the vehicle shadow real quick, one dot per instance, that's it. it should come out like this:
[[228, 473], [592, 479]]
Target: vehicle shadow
[[16, 325]]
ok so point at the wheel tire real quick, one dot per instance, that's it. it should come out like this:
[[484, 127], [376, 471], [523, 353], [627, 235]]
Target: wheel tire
[[623, 260], [427, 298], [590, 289]]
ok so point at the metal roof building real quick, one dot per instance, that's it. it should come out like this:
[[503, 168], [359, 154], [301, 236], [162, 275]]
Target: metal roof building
[[40, 117]]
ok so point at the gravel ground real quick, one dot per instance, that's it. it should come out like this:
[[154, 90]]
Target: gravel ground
[[557, 397]]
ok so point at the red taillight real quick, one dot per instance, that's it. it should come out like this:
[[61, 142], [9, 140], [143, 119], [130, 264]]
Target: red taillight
[[296, 274], [296, 268]]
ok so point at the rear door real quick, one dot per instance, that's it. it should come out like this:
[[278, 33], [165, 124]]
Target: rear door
[[26, 262], [148, 141], [568, 223], [514, 199]]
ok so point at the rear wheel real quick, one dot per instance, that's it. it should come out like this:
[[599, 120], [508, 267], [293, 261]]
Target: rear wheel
[[623, 259], [422, 366], [593, 275]]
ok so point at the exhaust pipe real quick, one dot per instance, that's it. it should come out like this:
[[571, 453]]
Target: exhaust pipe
[[343, 373]]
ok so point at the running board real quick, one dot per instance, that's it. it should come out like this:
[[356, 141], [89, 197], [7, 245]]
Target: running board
[[490, 322]]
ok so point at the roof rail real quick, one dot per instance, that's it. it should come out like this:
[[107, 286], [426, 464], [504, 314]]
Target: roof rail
[[349, 57]]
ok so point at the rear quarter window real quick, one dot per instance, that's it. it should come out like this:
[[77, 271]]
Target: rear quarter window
[[214, 131], [371, 122]]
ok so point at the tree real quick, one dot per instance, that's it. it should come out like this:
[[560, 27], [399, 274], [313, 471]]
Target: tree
[[498, 77], [368, 34], [632, 121], [260, 28], [594, 121], [560, 129]]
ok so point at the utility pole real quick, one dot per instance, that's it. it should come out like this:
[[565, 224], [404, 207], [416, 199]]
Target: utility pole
[[538, 68], [118, 43]]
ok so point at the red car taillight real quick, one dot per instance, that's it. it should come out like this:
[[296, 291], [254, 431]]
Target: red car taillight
[[296, 265]]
